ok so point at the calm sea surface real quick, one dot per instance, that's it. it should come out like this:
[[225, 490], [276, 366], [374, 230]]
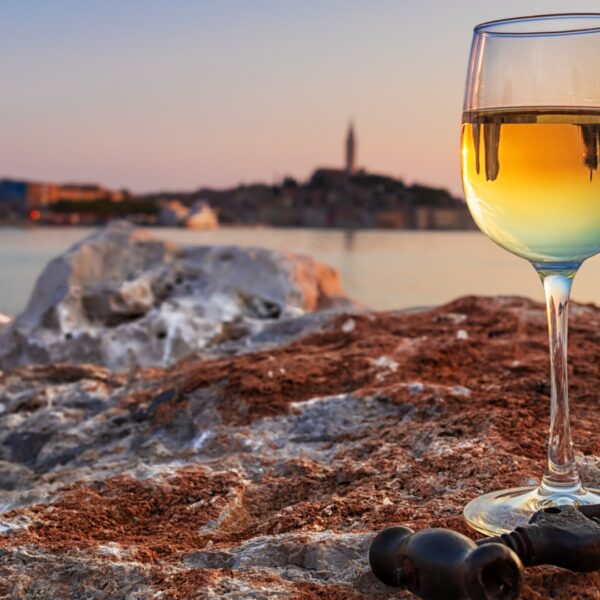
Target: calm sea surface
[[384, 269]]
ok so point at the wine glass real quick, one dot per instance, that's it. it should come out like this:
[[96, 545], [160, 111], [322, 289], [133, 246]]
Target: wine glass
[[530, 151]]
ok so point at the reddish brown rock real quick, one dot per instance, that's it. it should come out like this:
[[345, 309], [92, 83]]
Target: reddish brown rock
[[265, 474]]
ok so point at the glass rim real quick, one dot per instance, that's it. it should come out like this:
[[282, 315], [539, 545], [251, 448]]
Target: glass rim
[[497, 26]]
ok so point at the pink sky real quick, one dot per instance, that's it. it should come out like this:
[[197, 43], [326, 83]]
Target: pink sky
[[151, 95]]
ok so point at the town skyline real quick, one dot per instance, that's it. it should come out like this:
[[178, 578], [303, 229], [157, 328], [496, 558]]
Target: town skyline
[[48, 192], [345, 195], [348, 165]]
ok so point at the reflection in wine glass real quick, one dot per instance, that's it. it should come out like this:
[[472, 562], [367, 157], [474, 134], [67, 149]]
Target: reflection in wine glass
[[530, 138]]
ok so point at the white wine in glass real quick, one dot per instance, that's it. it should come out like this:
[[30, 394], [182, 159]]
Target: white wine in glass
[[530, 150]]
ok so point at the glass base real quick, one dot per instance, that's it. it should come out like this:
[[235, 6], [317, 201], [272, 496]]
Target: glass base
[[500, 512]]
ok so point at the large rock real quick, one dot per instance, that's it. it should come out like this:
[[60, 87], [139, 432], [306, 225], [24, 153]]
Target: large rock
[[265, 474], [122, 299]]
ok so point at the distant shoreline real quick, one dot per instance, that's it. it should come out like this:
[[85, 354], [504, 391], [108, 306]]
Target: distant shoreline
[[46, 226]]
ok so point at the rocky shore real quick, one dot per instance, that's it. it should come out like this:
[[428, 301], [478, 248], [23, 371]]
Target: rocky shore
[[224, 423]]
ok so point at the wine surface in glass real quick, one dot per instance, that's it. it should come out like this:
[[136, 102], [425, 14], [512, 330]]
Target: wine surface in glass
[[532, 180]]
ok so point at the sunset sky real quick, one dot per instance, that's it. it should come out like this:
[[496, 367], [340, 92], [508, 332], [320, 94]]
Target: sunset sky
[[176, 94]]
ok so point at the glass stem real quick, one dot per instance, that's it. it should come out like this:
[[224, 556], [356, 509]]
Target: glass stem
[[561, 476]]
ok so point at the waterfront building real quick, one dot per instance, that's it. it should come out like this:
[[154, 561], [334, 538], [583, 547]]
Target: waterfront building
[[22, 196], [88, 192]]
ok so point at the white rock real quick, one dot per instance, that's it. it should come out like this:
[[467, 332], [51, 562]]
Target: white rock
[[121, 298]]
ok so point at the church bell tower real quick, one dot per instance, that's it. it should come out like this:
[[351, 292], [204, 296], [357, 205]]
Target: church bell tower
[[350, 150]]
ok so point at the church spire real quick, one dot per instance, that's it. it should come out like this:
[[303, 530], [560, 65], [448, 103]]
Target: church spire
[[350, 150]]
